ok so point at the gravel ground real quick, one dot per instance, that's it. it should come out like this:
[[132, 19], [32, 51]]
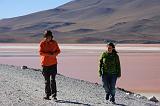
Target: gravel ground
[[25, 87]]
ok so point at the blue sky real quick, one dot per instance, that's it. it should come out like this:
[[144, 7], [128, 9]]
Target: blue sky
[[14, 8]]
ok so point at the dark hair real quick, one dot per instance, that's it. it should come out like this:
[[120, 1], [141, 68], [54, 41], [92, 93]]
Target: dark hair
[[113, 46], [47, 33]]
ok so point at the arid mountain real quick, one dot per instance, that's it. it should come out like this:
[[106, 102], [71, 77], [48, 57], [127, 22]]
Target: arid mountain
[[89, 21]]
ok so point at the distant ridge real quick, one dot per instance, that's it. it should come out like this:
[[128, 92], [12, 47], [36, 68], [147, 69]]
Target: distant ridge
[[89, 21]]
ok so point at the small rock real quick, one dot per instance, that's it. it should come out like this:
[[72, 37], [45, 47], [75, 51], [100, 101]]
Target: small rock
[[134, 94], [127, 93], [96, 83], [24, 67], [153, 99], [137, 95], [35, 69], [143, 97], [19, 100], [121, 89]]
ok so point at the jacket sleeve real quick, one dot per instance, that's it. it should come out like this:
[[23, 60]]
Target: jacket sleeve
[[57, 51], [41, 51], [100, 65], [118, 66]]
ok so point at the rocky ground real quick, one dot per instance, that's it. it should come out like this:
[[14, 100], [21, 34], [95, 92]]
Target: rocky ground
[[25, 87]]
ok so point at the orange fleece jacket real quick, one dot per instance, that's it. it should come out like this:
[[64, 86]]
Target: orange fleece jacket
[[48, 52]]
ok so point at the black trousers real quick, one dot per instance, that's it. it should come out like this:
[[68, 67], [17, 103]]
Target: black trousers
[[49, 73]]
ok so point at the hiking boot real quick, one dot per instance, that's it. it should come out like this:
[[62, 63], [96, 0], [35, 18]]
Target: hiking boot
[[112, 99], [46, 97], [54, 96], [107, 96]]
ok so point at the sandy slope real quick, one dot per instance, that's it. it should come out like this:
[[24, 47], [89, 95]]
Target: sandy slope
[[26, 88]]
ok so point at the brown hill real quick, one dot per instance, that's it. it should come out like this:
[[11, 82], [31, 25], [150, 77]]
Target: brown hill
[[89, 21]]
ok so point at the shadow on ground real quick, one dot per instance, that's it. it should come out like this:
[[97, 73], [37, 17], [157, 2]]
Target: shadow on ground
[[120, 104], [70, 102]]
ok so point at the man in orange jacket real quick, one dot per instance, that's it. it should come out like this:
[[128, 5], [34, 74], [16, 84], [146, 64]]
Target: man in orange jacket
[[48, 51]]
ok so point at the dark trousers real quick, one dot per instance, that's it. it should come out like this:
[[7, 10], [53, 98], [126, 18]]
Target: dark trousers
[[49, 73], [109, 83]]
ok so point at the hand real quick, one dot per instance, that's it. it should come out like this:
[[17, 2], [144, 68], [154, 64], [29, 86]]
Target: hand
[[100, 73], [119, 76]]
